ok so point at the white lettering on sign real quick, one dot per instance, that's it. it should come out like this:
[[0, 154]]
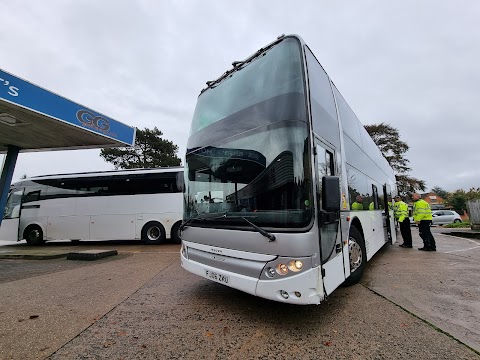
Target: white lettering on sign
[[206, 151], [233, 152], [12, 90]]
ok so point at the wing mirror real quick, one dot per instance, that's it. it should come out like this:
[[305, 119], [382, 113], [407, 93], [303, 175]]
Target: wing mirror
[[331, 193]]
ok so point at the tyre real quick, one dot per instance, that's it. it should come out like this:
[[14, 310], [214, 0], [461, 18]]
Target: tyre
[[153, 233], [457, 221], [175, 233], [357, 256], [34, 235]]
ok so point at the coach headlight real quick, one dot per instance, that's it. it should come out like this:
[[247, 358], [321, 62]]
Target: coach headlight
[[295, 265], [282, 269]]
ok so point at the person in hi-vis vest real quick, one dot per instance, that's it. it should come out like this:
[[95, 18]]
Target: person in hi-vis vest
[[401, 215]]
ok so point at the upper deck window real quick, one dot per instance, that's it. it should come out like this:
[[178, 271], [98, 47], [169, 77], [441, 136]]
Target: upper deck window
[[276, 72]]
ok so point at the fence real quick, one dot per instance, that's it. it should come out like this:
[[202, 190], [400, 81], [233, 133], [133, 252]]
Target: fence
[[473, 207]]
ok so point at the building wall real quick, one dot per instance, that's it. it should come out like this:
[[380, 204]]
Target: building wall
[[433, 199]]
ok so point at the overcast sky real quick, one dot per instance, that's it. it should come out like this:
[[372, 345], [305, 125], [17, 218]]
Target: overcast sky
[[414, 65]]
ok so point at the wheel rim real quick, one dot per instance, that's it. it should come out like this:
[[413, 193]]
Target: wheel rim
[[153, 233], [34, 235], [355, 253]]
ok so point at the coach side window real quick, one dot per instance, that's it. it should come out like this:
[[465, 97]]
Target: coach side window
[[324, 114], [374, 201], [357, 189], [31, 196], [349, 120], [59, 188]]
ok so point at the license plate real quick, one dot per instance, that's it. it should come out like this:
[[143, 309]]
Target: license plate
[[212, 275]]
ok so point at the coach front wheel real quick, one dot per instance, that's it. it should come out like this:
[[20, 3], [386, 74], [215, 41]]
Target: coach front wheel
[[357, 256], [175, 234], [34, 235], [153, 233]]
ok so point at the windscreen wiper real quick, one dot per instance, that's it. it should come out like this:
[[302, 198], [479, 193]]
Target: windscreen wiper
[[268, 235], [185, 223], [201, 218]]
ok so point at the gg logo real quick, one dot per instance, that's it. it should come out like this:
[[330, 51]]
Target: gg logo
[[88, 118]]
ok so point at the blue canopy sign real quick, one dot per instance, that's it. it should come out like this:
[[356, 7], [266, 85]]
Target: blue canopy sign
[[24, 94]]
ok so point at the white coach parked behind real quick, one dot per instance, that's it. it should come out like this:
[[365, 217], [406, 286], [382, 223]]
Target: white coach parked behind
[[131, 204]]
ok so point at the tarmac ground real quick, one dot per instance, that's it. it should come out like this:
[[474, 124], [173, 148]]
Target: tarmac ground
[[140, 304]]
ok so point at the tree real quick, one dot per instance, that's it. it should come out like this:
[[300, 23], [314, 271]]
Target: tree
[[393, 149], [457, 200], [149, 151], [407, 185], [440, 192], [473, 194]]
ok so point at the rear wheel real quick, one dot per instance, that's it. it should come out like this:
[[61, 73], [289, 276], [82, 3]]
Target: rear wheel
[[457, 221], [357, 256], [175, 234], [153, 233], [34, 235]]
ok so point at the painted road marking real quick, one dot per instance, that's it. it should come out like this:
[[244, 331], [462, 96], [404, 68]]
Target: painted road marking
[[461, 238], [472, 248]]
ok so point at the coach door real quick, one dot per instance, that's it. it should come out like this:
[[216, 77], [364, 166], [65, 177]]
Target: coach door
[[388, 219], [329, 229], [11, 216]]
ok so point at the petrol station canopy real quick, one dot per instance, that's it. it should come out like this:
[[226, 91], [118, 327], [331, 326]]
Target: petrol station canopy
[[35, 119]]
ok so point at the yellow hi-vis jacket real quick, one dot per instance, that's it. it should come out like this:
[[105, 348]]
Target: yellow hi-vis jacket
[[421, 211], [400, 211], [357, 206]]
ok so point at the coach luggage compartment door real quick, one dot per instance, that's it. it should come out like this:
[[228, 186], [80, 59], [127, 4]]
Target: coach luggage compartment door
[[328, 221]]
